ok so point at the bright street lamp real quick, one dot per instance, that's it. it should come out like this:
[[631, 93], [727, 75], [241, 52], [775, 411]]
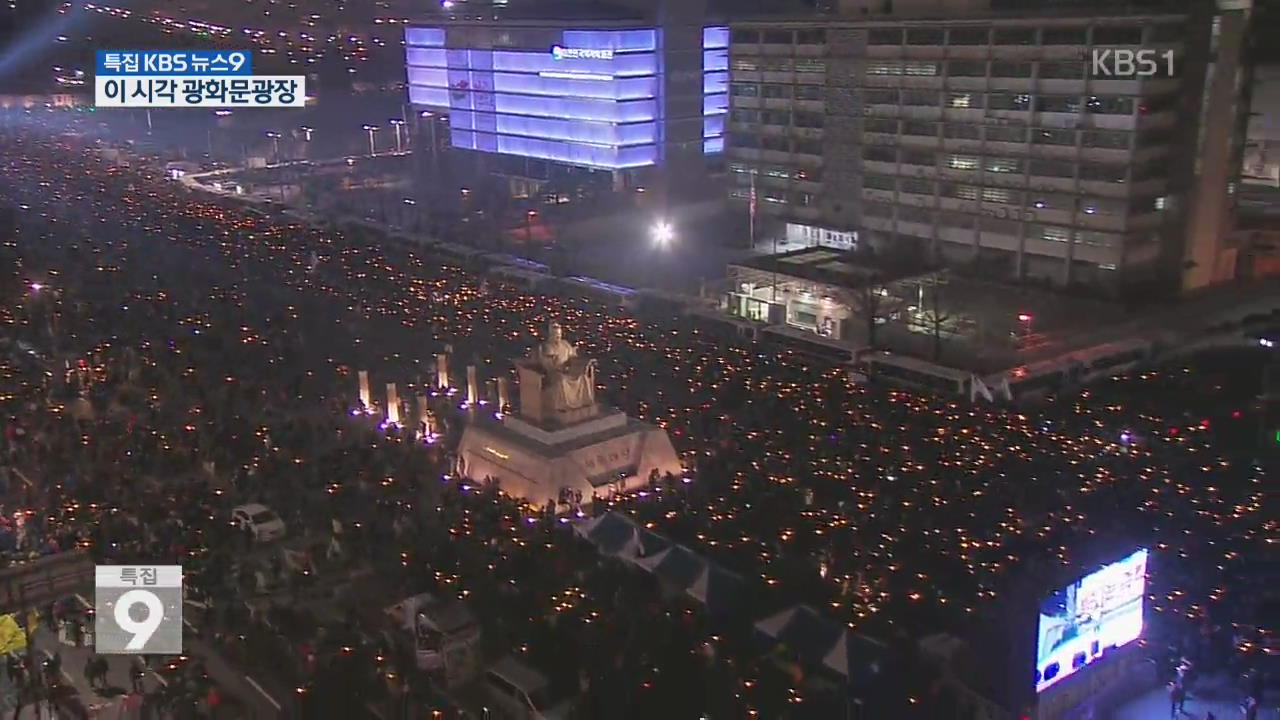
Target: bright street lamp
[[397, 123], [275, 141], [306, 131], [371, 129], [663, 233]]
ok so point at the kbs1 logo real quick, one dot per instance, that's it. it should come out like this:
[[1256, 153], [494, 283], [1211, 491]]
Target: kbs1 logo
[[138, 609], [1126, 63]]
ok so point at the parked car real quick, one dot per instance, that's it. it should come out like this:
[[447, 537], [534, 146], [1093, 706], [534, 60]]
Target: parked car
[[519, 692], [265, 524]]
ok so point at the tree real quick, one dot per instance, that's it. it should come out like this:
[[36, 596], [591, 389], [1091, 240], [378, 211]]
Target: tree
[[934, 317]]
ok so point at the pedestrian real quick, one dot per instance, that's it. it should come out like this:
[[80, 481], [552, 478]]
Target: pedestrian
[[91, 672], [1177, 698], [137, 672]]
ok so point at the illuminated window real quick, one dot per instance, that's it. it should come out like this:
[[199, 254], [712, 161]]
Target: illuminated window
[[962, 162]]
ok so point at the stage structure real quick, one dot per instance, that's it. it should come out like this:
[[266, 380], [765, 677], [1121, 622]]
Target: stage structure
[[561, 444]]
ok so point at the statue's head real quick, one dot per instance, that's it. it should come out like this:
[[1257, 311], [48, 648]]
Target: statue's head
[[554, 332]]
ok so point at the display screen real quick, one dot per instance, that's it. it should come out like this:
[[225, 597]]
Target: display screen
[[1082, 621]]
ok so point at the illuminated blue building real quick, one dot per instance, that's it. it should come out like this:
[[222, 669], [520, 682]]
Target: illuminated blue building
[[610, 96]]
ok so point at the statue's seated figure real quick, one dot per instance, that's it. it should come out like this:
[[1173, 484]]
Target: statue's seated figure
[[570, 380]]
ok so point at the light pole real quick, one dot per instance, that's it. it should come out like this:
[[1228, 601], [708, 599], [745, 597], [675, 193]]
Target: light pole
[[398, 123], [275, 143], [1025, 319], [306, 132], [371, 129], [528, 225], [431, 124]]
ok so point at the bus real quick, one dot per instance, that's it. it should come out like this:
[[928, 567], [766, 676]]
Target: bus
[[911, 372], [598, 290], [520, 277], [1113, 358], [1040, 378], [807, 343]]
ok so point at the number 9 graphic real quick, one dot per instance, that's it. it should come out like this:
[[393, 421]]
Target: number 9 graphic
[[141, 631]]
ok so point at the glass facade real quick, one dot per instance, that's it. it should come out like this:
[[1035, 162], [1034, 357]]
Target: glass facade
[[594, 99]]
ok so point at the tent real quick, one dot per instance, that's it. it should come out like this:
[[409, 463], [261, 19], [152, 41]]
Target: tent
[[819, 642], [675, 567], [611, 533], [717, 589]]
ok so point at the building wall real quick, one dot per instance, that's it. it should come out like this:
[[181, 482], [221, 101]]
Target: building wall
[[606, 98], [1262, 153], [994, 141]]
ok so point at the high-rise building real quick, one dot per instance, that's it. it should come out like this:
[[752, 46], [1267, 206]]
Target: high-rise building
[[1097, 148], [640, 96]]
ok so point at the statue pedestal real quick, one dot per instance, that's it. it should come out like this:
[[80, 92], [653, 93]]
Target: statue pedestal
[[533, 460]]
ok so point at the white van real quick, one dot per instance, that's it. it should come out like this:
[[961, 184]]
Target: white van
[[518, 692]]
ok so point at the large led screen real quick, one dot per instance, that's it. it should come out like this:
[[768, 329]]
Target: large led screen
[[1082, 621]]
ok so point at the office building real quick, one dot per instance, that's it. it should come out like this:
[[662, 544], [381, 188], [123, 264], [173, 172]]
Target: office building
[[641, 96], [994, 140]]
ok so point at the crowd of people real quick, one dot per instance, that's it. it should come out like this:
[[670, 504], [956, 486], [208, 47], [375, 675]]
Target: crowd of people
[[171, 355]]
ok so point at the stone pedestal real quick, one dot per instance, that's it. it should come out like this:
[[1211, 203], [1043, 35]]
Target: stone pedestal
[[393, 405], [472, 391], [442, 370], [598, 456], [366, 397]]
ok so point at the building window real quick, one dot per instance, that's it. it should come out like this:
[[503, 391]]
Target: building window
[[880, 97], [924, 36], [969, 36], [745, 64], [811, 65], [996, 195], [1063, 36], [1052, 168], [778, 37], [920, 68], [1111, 139], [884, 36], [1112, 35], [775, 117], [807, 174], [908, 213], [916, 186], [744, 90], [996, 226], [1103, 172], [918, 127], [741, 35], [1054, 137], [879, 154], [961, 192], [1004, 165], [918, 157], [877, 182], [1053, 233], [1006, 133], [810, 92], [1015, 36], [884, 68], [966, 68], [774, 143], [743, 140], [925, 98], [805, 119], [776, 92], [965, 100], [1058, 104], [776, 64], [879, 125], [816, 36], [744, 115], [962, 162], [1109, 105], [1010, 69], [1008, 101], [875, 209], [1162, 202], [1061, 70], [808, 147], [961, 131]]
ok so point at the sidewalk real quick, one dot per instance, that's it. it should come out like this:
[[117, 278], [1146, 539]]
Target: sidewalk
[[1213, 694]]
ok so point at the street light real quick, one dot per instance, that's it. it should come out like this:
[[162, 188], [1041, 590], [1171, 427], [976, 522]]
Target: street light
[[1025, 319], [275, 141], [371, 129], [397, 123], [306, 131], [431, 125], [528, 224], [663, 233]]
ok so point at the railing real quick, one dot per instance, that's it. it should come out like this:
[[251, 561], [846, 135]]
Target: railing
[[44, 580]]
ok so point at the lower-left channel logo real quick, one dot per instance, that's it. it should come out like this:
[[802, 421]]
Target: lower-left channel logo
[[138, 609]]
